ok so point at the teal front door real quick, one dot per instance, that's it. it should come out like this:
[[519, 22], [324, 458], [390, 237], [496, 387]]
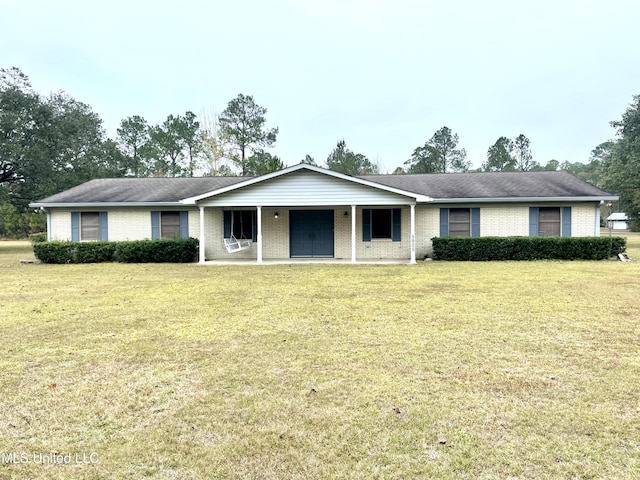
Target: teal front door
[[311, 233]]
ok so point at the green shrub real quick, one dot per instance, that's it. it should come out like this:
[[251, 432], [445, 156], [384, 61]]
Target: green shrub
[[95, 252], [38, 237], [179, 250], [527, 248], [54, 252]]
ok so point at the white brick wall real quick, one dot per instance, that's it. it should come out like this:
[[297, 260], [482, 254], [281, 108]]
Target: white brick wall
[[60, 224], [499, 220], [583, 220], [129, 224], [384, 248], [504, 220], [427, 227], [123, 223], [495, 220]]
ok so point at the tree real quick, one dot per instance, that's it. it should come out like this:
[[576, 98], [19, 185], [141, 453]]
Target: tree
[[177, 143], [308, 159], [621, 162], [25, 125], [522, 153], [243, 130], [343, 160], [48, 143], [192, 141], [500, 157], [81, 150], [425, 159], [590, 172], [439, 155], [212, 147], [134, 141], [261, 163], [552, 165]]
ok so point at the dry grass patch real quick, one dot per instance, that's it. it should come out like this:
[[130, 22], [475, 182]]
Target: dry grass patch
[[441, 370]]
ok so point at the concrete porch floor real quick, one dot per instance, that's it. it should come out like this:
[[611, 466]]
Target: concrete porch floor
[[291, 261]]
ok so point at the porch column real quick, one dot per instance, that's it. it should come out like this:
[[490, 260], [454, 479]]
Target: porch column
[[413, 234], [353, 234], [201, 240], [597, 230], [259, 235]]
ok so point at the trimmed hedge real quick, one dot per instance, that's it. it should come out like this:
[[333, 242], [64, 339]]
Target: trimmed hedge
[[179, 250], [527, 248], [54, 252], [94, 252]]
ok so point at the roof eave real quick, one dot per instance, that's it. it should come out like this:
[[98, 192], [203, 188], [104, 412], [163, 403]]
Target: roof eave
[[525, 199], [103, 204]]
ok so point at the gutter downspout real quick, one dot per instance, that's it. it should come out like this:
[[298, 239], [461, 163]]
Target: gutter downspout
[[48, 212]]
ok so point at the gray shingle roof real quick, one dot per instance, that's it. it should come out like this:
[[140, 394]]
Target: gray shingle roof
[[438, 186], [140, 190], [491, 185]]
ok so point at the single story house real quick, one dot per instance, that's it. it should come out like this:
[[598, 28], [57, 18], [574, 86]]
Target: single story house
[[306, 211], [618, 221]]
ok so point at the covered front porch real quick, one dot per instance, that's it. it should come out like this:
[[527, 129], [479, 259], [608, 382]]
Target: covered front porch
[[318, 234], [306, 212]]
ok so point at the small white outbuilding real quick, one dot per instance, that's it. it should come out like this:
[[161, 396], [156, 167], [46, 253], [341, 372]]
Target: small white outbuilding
[[618, 221]]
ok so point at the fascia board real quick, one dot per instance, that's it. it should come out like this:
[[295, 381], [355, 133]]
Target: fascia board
[[105, 204], [523, 199]]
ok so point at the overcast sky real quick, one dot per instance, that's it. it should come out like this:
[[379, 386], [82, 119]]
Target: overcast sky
[[382, 74]]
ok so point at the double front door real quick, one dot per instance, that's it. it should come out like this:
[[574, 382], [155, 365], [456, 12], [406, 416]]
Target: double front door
[[311, 233]]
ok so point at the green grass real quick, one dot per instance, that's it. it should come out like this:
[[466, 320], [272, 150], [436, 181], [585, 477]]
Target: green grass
[[439, 370]]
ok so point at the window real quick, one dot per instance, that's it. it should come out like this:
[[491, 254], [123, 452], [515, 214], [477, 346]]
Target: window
[[240, 223], [89, 226], [549, 222], [170, 224], [381, 223], [459, 222]]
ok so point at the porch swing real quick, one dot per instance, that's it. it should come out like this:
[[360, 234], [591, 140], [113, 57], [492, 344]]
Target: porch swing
[[232, 244]]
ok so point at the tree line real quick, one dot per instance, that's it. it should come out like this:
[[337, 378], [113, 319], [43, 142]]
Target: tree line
[[54, 142]]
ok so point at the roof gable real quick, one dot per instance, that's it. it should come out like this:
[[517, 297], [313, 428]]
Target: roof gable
[[306, 187], [330, 178]]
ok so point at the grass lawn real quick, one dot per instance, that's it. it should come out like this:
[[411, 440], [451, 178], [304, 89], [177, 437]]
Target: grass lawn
[[441, 370]]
